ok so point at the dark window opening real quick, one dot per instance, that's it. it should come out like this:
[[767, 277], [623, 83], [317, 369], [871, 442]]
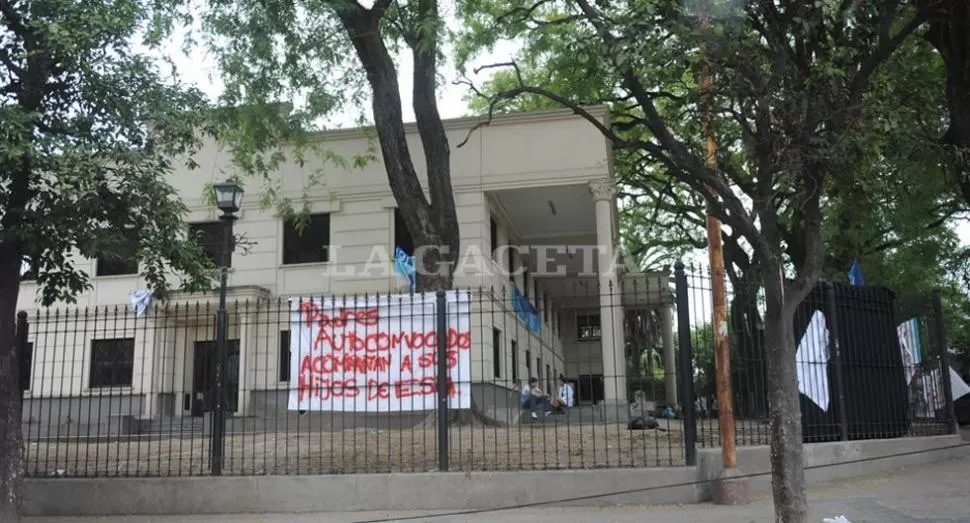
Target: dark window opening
[[539, 376], [590, 388], [210, 237], [548, 380], [120, 267], [402, 236], [515, 361], [309, 244], [25, 360], [588, 327], [545, 308], [112, 363], [284, 372], [122, 262], [528, 364], [526, 288], [497, 352], [511, 264], [492, 235], [203, 372]]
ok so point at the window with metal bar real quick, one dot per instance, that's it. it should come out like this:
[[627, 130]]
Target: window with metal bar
[[112, 363]]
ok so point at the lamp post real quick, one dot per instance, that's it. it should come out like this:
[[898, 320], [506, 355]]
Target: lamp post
[[229, 197]]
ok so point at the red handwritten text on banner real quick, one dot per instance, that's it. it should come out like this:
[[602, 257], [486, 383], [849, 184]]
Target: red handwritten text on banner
[[377, 354]]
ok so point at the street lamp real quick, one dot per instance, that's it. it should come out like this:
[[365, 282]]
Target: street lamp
[[229, 197]]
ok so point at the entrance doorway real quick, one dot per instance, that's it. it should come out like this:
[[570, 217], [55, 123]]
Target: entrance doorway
[[203, 374], [590, 388]]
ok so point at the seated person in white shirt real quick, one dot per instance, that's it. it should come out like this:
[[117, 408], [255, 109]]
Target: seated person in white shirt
[[565, 399], [532, 398]]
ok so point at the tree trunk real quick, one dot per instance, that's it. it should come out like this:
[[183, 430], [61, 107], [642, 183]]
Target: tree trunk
[[434, 140], [950, 35], [11, 435], [433, 224], [435, 269], [787, 466]]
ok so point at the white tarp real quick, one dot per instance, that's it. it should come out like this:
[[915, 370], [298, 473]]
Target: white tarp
[[377, 354], [958, 386], [812, 359]]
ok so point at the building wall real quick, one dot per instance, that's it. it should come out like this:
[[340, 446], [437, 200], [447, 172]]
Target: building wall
[[582, 357], [513, 152], [161, 364]]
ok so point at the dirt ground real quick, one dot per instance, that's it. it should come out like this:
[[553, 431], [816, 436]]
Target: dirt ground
[[527, 447]]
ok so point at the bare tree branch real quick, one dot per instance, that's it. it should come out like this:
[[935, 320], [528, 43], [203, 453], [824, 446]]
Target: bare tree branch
[[15, 21], [562, 100]]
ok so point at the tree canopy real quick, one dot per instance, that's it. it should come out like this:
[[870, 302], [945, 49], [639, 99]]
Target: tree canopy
[[89, 129], [796, 106], [324, 56]]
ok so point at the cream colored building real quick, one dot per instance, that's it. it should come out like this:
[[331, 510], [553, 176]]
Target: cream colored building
[[538, 180]]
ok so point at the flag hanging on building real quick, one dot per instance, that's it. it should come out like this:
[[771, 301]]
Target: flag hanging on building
[[855, 273], [524, 309], [404, 264]]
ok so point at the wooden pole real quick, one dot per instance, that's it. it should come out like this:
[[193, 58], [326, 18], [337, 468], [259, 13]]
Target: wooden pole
[[722, 351]]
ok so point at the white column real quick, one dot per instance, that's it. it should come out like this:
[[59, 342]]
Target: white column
[[156, 352], [611, 305], [246, 333], [670, 354], [182, 371]]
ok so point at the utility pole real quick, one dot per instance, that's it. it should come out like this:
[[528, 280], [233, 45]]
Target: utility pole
[[731, 488]]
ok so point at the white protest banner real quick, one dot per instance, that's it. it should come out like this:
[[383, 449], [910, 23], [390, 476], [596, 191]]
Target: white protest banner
[[377, 354]]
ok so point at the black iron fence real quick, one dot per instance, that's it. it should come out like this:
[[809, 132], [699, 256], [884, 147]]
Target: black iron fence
[[344, 384], [870, 364], [623, 374]]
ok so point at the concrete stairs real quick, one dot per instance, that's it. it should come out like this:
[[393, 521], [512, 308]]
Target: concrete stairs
[[578, 415], [177, 425]]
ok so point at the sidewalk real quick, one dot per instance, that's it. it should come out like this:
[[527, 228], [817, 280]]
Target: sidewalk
[[929, 493]]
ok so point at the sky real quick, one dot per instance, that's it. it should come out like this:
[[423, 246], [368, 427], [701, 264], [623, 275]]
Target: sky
[[200, 69]]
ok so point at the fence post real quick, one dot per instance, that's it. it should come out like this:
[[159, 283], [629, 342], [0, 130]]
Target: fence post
[[940, 337], [831, 319], [442, 350], [20, 342], [686, 365]]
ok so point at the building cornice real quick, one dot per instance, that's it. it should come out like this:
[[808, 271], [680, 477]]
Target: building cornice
[[469, 122]]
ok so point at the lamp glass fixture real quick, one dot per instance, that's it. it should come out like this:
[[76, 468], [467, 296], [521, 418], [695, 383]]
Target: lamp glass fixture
[[229, 196]]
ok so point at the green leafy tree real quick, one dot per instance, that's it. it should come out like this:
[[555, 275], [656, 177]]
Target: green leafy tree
[[895, 216], [702, 344], [792, 112], [321, 57], [88, 132]]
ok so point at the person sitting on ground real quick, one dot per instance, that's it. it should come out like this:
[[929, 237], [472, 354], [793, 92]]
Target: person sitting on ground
[[566, 398], [537, 398]]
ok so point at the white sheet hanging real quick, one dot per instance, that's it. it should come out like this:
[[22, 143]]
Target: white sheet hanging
[[812, 362], [958, 386]]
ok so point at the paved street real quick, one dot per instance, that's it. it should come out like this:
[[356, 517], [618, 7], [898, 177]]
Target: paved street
[[930, 493]]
